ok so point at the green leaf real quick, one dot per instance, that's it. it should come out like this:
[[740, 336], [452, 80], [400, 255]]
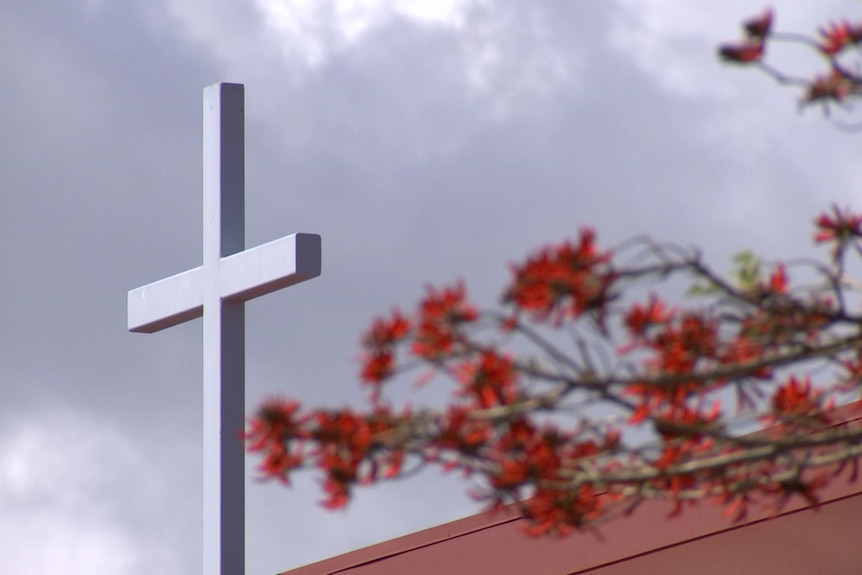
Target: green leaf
[[746, 272]]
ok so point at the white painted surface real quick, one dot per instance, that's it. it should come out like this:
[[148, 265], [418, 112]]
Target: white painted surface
[[230, 275]]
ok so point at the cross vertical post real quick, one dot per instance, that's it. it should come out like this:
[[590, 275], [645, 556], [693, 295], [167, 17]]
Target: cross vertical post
[[217, 290], [224, 332]]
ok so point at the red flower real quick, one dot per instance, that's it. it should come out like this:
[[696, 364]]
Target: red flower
[[640, 318], [274, 423], [377, 367], [440, 315], [839, 35], [748, 347], [835, 87], [460, 433], [681, 346], [744, 53], [795, 398], [273, 432], [778, 280], [759, 27], [841, 227], [490, 380], [337, 492], [433, 341], [559, 511], [751, 49], [386, 332], [448, 305], [565, 280]]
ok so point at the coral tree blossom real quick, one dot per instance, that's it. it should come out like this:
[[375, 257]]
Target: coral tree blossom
[[584, 392], [751, 48], [839, 35]]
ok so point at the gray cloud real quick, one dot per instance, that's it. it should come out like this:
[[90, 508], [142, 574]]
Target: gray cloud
[[420, 153]]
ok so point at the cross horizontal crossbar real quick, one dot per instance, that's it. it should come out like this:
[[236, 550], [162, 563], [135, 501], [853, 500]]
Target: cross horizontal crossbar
[[241, 277]]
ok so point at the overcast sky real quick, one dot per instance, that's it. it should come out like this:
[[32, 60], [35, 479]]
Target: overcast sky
[[424, 140]]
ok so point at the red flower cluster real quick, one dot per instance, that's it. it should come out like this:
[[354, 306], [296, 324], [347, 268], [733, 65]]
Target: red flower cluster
[[272, 433], [543, 458], [743, 53], [777, 281], [561, 511], [679, 343], [488, 380], [839, 35], [834, 87], [348, 448], [525, 455], [640, 319], [457, 432], [563, 281], [438, 319], [440, 316], [344, 442], [386, 332], [679, 351], [751, 48], [379, 342], [536, 430], [759, 27], [842, 80], [796, 398], [841, 228]]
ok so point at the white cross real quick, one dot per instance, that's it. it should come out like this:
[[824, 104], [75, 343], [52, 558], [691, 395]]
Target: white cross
[[218, 291]]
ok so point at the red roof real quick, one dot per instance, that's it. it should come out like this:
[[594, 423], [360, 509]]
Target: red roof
[[800, 540]]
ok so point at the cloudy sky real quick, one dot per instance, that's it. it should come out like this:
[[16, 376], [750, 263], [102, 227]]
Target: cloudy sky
[[425, 141]]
